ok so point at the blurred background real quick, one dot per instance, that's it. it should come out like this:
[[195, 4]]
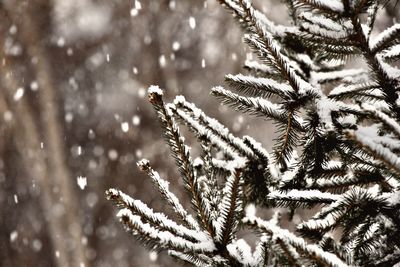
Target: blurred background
[[74, 115]]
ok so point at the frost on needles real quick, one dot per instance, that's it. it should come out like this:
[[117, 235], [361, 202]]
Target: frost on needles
[[337, 148]]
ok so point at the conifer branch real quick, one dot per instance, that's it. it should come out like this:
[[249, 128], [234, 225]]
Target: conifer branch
[[181, 155], [315, 252], [163, 187]]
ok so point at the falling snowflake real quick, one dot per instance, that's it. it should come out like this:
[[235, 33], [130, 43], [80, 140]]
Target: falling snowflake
[[125, 127], [13, 236], [192, 23], [19, 94], [81, 181]]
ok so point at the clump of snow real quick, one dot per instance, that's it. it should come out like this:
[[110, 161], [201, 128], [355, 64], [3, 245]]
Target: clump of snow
[[198, 162], [154, 89], [180, 99], [250, 210], [81, 181], [143, 164], [325, 107]]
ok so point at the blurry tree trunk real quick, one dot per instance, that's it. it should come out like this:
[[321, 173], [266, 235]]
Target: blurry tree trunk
[[47, 165], [393, 10], [5, 251]]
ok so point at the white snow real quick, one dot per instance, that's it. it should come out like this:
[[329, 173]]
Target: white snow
[[176, 46], [13, 29], [203, 63], [334, 5], [392, 52], [389, 121], [250, 210], [7, 115], [325, 106], [112, 154], [297, 242], [125, 127], [262, 83], [34, 86], [13, 236], [82, 182], [154, 89], [386, 34], [162, 61], [303, 195], [240, 250], [368, 138], [192, 23], [322, 21], [138, 5], [335, 75], [135, 120], [19, 94], [75, 19], [172, 4], [153, 256]]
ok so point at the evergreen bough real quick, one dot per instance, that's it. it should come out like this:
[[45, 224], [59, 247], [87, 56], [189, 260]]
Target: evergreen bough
[[337, 148]]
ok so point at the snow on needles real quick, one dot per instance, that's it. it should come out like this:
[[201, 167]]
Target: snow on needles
[[155, 89]]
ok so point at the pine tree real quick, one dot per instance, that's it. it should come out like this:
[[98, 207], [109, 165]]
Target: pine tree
[[337, 148]]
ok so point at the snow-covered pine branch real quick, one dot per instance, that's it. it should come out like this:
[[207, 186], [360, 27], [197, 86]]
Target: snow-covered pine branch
[[337, 147]]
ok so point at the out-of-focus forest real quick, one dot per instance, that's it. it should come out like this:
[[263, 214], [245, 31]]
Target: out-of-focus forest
[[74, 115]]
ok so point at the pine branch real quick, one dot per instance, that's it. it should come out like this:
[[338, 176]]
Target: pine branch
[[385, 39], [230, 209], [316, 253], [301, 198], [376, 149], [261, 87], [255, 106], [203, 124], [331, 7], [181, 155], [163, 187], [158, 239], [157, 220]]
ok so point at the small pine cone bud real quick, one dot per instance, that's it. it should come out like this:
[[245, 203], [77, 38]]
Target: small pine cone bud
[[111, 193], [155, 94], [143, 164]]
